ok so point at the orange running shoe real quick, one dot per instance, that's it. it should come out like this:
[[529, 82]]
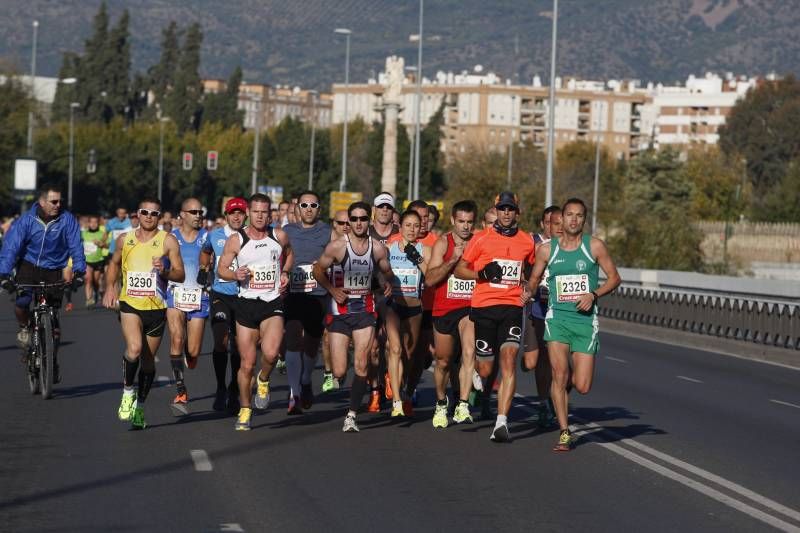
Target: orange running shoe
[[180, 405], [408, 408], [68, 307], [374, 402], [387, 386]]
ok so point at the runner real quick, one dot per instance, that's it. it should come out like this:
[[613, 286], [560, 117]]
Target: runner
[[116, 227], [305, 304], [340, 227], [187, 302], [571, 325], [223, 307], [146, 258], [382, 227], [451, 306], [94, 242], [258, 250], [535, 355], [352, 312], [495, 259], [409, 261]]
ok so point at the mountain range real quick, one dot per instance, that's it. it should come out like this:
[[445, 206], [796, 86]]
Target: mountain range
[[291, 42]]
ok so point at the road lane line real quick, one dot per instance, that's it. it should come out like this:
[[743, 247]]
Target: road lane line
[[162, 379], [687, 378], [232, 526], [201, 461], [616, 359], [696, 485], [727, 484], [788, 404]]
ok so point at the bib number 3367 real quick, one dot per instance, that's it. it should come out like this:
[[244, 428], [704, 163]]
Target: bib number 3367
[[263, 278]]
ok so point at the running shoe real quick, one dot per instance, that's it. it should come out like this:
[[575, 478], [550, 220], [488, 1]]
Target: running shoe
[[408, 408], [126, 406], [350, 425], [261, 399], [137, 420], [243, 419], [327, 382], [564, 443], [294, 406], [68, 307], [387, 386], [500, 434], [462, 414], [281, 366], [90, 302], [477, 383], [374, 405], [180, 404], [544, 417], [397, 410], [440, 416], [191, 362], [307, 396], [24, 338], [219, 400]]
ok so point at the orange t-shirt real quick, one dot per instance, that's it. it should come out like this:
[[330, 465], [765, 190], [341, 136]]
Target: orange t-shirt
[[512, 253]]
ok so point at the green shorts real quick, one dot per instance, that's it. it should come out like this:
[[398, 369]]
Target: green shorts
[[581, 337]]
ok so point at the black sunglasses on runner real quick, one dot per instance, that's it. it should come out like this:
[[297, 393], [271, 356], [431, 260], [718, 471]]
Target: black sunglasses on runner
[[342, 222], [195, 212], [146, 213], [312, 205], [359, 219]]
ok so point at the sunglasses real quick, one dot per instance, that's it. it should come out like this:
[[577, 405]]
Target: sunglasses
[[342, 222], [146, 213], [195, 212], [55, 202], [359, 219], [385, 206], [312, 205]]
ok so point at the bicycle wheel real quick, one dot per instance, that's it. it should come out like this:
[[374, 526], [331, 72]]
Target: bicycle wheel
[[47, 353], [33, 372]]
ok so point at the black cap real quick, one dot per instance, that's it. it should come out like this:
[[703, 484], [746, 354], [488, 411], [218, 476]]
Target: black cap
[[506, 199]]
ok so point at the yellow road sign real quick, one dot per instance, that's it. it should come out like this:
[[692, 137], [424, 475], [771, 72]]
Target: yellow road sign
[[342, 200]]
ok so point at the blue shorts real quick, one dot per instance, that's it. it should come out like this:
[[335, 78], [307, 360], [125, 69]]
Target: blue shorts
[[205, 305]]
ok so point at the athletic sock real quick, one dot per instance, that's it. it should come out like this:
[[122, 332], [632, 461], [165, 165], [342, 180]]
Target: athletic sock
[[442, 403], [397, 404], [220, 361], [128, 391], [177, 369], [501, 419], [308, 367], [236, 362], [145, 382], [357, 392], [294, 367], [129, 369]]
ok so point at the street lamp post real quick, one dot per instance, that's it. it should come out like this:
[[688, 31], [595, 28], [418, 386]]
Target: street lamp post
[[72, 107], [257, 128], [33, 88], [551, 112], [410, 190], [161, 122], [596, 181], [511, 145], [419, 102], [346, 32], [313, 134]]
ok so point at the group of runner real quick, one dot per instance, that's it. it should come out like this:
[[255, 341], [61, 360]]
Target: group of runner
[[397, 294]]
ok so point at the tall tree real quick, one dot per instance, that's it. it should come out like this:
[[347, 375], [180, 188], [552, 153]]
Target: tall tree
[[118, 73], [67, 93], [92, 88], [431, 171], [221, 108], [162, 74], [183, 102]]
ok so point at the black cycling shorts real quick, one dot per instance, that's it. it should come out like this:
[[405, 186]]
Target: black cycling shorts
[[251, 312], [347, 324], [153, 320], [495, 326], [447, 324], [309, 310], [404, 312]]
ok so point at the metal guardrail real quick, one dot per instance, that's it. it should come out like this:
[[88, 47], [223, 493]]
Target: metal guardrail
[[767, 319]]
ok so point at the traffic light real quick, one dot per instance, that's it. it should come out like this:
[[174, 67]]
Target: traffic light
[[212, 159], [188, 159]]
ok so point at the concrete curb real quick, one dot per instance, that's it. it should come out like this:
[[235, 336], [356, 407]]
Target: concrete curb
[[740, 349]]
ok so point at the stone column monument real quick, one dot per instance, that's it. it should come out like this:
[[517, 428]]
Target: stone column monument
[[393, 87]]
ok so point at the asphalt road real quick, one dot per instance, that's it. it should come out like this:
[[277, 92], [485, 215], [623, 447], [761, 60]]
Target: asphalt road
[[671, 439]]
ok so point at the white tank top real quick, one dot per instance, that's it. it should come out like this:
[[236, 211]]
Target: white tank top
[[263, 259], [354, 275]]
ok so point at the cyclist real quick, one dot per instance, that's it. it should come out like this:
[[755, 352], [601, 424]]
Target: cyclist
[[39, 246]]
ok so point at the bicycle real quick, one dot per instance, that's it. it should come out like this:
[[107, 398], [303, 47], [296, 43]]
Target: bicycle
[[41, 352]]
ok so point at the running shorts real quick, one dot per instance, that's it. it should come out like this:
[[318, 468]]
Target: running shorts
[[581, 337], [447, 324], [309, 310], [251, 312], [153, 320], [496, 326], [347, 324]]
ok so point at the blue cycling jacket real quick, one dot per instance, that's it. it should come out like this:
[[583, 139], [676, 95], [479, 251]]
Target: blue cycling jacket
[[45, 245]]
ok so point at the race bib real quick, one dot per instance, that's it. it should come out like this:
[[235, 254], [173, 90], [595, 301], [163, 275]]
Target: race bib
[[262, 277], [117, 232], [140, 284], [570, 287], [512, 273], [187, 299], [460, 289], [89, 247], [302, 279], [408, 278], [357, 283]]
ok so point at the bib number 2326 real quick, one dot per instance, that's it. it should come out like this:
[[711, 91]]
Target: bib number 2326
[[570, 287]]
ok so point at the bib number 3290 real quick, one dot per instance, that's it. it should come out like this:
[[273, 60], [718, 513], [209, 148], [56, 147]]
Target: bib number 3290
[[141, 284]]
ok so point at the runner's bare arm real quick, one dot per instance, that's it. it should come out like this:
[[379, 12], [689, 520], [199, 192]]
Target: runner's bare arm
[[542, 254], [426, 256], [334, 252], [112, 276], [173, 252], [463, 271], [288, 254], [381, 256], [438, 268], [229, 252]]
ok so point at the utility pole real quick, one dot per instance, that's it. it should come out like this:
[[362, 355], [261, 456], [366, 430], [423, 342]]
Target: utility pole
[[551, 119]]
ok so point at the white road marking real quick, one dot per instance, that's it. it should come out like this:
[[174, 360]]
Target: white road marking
[[233, 526], [157, 359], [616, 359], [594, 432], [788, 404], [686, 378], [201, 461], [161, 379]]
